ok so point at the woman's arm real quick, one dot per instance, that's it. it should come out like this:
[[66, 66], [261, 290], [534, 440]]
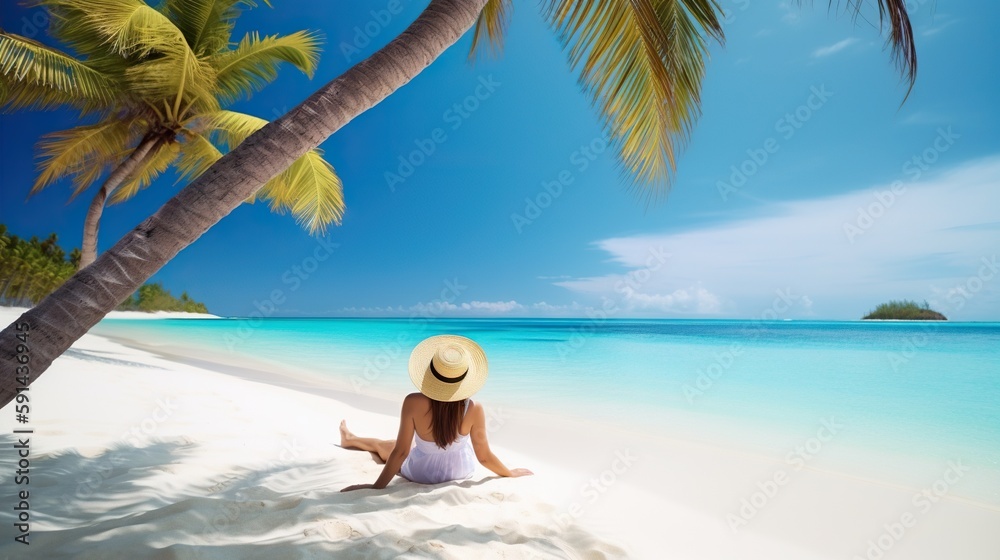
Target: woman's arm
[[481, 444], [404, 440]]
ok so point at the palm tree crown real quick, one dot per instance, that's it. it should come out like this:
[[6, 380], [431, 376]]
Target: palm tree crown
[[157, 78]]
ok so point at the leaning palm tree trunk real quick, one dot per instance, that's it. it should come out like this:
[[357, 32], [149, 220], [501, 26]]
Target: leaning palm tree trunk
[[142, 152], [76, 306]]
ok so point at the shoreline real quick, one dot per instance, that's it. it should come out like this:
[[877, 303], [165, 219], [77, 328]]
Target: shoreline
[[597, 489], [756, 442]]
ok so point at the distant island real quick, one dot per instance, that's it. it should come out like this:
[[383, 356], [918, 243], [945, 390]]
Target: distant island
[[904, 310]]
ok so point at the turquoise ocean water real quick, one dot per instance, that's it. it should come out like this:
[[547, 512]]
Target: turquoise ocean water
[[927, 391]]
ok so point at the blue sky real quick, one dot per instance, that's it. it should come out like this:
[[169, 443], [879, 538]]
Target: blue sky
[[806, 190]]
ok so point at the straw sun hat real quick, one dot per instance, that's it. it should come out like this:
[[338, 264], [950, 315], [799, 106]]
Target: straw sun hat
[[448, 367]]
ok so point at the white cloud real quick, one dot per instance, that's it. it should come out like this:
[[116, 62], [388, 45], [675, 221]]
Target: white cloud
[[834, 48], [836, 256], [492, 306]]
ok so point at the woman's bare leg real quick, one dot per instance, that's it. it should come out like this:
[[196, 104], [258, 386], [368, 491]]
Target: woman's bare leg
[[380, 447]]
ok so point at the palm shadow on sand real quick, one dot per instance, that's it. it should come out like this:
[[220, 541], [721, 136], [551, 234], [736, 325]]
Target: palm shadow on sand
[[143, 502]]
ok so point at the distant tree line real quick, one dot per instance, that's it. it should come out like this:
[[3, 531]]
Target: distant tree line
[[31, 268], [153, 297]]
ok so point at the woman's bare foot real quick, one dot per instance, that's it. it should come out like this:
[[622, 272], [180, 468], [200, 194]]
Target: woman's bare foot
[[346, 437]]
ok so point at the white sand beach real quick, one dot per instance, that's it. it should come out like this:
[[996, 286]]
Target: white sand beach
[[134, 455]]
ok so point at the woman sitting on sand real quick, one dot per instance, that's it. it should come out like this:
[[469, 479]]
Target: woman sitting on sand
[[441, 431]]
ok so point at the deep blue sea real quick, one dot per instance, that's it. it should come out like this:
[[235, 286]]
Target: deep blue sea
[[907, 389]]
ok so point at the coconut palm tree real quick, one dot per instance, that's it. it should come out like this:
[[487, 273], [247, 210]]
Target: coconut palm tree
[[640, 60], [31, 269], [156, 78]]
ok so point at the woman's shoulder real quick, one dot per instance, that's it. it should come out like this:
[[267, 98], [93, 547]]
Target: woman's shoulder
[[415, 403], [476, 407]]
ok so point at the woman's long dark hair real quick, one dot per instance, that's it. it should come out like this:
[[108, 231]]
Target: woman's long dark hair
[[446, 419]]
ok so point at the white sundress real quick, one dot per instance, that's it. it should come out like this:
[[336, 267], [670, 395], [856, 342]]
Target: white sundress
[[429, 464]]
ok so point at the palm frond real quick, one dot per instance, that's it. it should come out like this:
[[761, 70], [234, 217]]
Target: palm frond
[[37, 76], [161, 79], [128, 27], [254, 62], [207, 24], [310, 189], [84, 151], [72, 27], [168, 70], [491, 26], [900, 38], [198, 153], [156, 162], [642, 61], [231, 127]]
